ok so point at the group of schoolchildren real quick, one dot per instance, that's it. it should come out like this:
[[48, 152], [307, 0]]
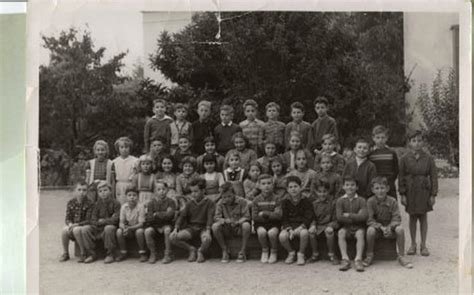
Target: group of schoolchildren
[[280, 181]]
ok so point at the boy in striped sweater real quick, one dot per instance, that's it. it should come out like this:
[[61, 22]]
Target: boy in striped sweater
[[384, 158]]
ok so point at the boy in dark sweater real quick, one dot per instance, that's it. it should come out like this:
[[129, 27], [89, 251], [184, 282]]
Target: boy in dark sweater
[[78, 214], [324, 124], [202, 127], [384, 221], [158, 125], [225, 130], [104, 223], [361, 169], [384, 158], [297, 215], [266, 215], [197, 215], [232, 218], [351, 213], [159, 217]]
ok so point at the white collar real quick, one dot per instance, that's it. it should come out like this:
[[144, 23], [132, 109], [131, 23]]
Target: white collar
[[228, 124], [164, 118], [347, 197]]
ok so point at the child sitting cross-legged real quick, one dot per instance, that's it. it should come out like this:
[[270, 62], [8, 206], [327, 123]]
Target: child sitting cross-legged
[[195, 221], [324, 210], [132, 217], [384, 221], [232, 218], [159, 217], [351, 213], [266, 215], [297, 215], [78, 214]]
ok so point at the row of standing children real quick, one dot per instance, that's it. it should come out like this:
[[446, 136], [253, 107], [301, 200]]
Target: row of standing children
[[417, 181]]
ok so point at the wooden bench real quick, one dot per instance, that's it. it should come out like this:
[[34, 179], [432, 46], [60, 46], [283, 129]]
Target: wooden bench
[[385, 249]]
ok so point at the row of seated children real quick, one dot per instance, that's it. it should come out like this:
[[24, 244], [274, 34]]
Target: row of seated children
[[274, 218]]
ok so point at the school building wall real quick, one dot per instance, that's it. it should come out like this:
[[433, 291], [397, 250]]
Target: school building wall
[[430, 44]]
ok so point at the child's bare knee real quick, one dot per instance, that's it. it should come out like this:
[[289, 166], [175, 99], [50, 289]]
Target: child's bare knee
[[261, 232], [283, 235], [139, 232], [167, 230], [359, 234], [329, 231], [371, 231], [342, 233], [246, 226], [399, 230], [304, 233], [216, 227]]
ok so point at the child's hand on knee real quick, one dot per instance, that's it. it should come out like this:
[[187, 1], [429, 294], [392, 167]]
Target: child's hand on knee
[[312, 229]]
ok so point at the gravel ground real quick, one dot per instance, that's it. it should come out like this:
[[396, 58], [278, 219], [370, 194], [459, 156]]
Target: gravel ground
[[437, 273]]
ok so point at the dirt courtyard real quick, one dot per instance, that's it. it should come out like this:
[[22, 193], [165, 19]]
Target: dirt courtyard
[[437, 273]]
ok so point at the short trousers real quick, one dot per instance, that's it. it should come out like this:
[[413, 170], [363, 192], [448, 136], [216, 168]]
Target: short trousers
[[351, 231], [161, 229], [320, 228], [194, 230], [267, 226]]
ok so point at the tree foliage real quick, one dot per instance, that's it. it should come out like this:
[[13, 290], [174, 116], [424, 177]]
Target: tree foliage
[[354, 59], [84, 98], [440, 112]]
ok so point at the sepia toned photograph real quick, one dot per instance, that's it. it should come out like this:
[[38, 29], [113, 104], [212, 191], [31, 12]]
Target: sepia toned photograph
[[248, 151]]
